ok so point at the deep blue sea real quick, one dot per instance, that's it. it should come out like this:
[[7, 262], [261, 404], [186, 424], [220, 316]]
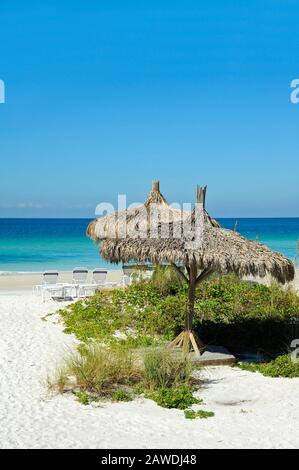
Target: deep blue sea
[[40, 244]]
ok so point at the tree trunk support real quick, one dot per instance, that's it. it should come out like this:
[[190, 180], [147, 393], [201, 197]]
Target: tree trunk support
[[188, 339]]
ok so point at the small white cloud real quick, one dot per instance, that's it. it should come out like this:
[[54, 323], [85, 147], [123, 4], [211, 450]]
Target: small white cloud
[[38, 205]]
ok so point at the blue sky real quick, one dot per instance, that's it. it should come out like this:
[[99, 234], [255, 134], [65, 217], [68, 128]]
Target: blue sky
[[104, 96]]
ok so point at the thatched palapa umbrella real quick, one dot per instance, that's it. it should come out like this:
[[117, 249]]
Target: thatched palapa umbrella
[[202, 247], [135, 221]]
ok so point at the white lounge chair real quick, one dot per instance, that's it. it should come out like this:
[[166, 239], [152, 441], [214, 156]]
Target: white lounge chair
[[50, 277], [127, 281], [79, 278], [80, 275], [50, 285], [98, 280], [99, 277]]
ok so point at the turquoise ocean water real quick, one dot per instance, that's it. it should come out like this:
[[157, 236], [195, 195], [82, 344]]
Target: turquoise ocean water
[[30, 245]]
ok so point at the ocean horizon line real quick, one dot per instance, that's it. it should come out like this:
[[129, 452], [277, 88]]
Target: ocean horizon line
[[92, 217]]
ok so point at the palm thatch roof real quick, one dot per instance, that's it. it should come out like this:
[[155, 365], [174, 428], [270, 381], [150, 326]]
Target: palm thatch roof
[[136, 220], [198, 242], [222, 251]]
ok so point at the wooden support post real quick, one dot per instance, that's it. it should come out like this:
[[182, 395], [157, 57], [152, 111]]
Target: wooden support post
[[188, 339]]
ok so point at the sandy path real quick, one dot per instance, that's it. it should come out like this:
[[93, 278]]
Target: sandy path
[[29, 418]]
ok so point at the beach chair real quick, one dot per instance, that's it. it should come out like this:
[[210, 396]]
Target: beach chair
[[50, 285], [80, 275], [99, 277], [125, 281], [79, 278], [50, 277], [98, 280]]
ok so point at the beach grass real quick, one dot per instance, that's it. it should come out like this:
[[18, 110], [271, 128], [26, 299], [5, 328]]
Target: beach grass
[[164, 370], [98, 370], [95, 373]]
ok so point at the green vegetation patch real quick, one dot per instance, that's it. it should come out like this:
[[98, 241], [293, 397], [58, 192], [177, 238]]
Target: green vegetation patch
[[234, 313], [113, 325], [191, 414], [82, 398], [121, 395], [282, 366], [180, 397], [139, 314]]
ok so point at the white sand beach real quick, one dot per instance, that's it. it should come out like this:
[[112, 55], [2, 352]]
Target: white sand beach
[[251, 411]]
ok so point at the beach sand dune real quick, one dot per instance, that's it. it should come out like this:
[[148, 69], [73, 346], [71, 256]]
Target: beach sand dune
[[250, 410]]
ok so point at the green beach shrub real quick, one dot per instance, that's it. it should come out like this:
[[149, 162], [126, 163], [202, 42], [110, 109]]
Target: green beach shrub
[[139, 313], [121, 395], [82, 398], [246, 316], [282, 366], [191, 414], [180, 397], [235, 314]]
